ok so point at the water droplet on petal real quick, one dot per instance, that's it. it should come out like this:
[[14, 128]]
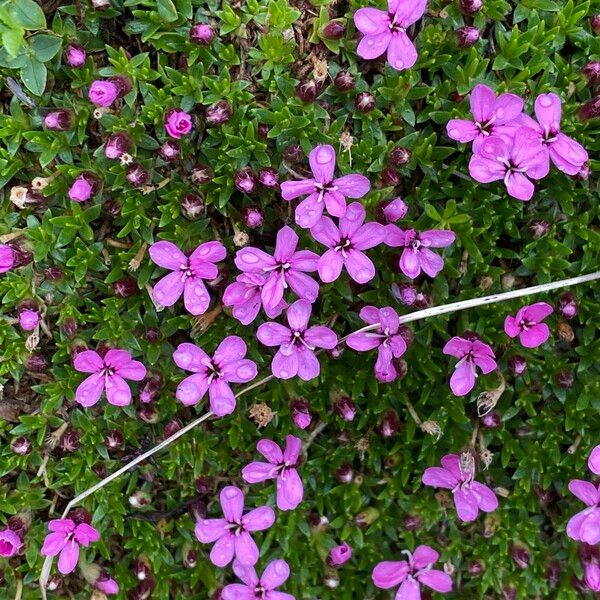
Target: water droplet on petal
[[545, 101], [454, 133], [283, 373], [231, 493], [500, 113], [324, 155], [250, 258]]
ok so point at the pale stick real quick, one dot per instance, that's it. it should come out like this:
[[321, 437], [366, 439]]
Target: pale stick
[[434, 311]]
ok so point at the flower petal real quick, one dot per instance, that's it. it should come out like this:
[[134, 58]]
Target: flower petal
[[232, 503], [275, 575], [409, 263], [594, 461], [430, 262], [285, 244], [117, 391], [330, 266], [325, 232], [167, 255], [133, 370], [290, 490], [362, 342], [168, 290], [241, 371], [436, 580], [298, 315], [359, 266], [273, 334], [402, 53], [462, 380], [257, 472], [253, 260], [457, 347], [53, 544], [368, 236], [303, 285], [69, 556], [246, 550], [438, 477], [567, 154], [389, 574], [535, 336], [285, 366], [88, 392], [371, 21], [293, 447], [585, 491], [322, 163], [485, 170], [486, 499], [409, 590], [88, 361], [292, 189], [466, 505], [230, 350], [483, 100], [208, 252], [223, 550], [507, 108], [222, 399], [519, 187], [461, 130], [309, 211], [437, 238], [308, 364], [373, 45], [192, 389], [237, 591], [191, 358], [209, 530], [271, 451], [424, 556], [321, 337], [196, 298], [352, 186], [259, 519], [548, 111], [408, 12]]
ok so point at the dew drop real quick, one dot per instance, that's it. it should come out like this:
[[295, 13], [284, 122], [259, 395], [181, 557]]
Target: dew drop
[[231, 493], [545, 101], [283, 374], [454, 133], [500, 113], [250, 258], [324, 155]]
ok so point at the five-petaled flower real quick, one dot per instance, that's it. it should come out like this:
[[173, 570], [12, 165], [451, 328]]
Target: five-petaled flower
[[346, 243], [528, 326], [470, 496], [255, 588], [244, 297], [297, 343], [389, 343], [282, 468], [187, 274], [228, 365], [516, 163], [107, 373], [323, 189], [386, 30], [472, 353], [417, 256], [64, 538], [585, 525], [411, 573], [492, 116], [232, 534]]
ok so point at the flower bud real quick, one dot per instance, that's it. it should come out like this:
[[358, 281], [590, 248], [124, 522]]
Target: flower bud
[[308, 90], [171, 428], [300, 410], [219, 113], [103, 93], [339, 555], [517, 365], [293, 153], [83, 187], [137, 175], [584, 172], [100, 4], [69, 327], [467, 36], [20, 523], [400, 156], [565, 379], [538, 228], [520, 556], [268, 177], [205, 485], [193, 206], [54, 583], [123, 84], [475, 568], [114, 440], [178, 123], [492, 420], [190, 559], [263, 131], [334, 30], [364, 102], [412, 522], [344, 81], [201, 174], [75, 55], [470, 7], [567, 305], [106, 584], [395, 210], [590, 110], [117, 144], [139, 499], [345, 408], [406, 293], [70, 442], [58, 120], [169, 150], [148, 413], [202, 34], [141, 569], [553, 573], [245, 180], [198, 509], [390, 177], [29, 318], [591, 72], [143, 590], [153, 335], [389, 425], [595, 24], [80, 515], [21, 446], [335, 352], [344, 474], [125, 287], [36, 363], [150, 387], [253, 217]]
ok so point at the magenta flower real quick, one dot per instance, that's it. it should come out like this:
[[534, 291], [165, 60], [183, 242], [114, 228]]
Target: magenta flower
[[567, 154], [339, 555], [108, 373], [417, 256], [323, 189], [297, 343], [389, 343], [10, 543], [286, 268], [492, 116], [232, 534], [411, 573], [282, 468], [65, 539], [244, 297], [227, 365], [187, 274], [254, 588], [472, 354], [528, 326], [106, 584], [591, 576], [103, 93], [470, 496], [386, 30], [346, 244], [517, 163], [585, 525], [81, 189], [7, 258], [29, 319], [594, 461], [178, 123]]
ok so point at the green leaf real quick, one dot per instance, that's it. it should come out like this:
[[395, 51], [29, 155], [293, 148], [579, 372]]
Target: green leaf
[[45, 47], [28, 13], [34, 76], [12, 40], [167, 10]]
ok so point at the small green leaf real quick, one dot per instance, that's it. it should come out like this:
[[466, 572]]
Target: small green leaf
[[28, 13], [167, 10], [45, 47], [34, 76], [12, 40]]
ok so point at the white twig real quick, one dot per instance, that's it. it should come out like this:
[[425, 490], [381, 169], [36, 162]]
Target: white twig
[[434, 311]]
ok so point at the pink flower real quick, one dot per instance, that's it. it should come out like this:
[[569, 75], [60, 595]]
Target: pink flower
[[187, 274], [178, 123], [286, 268], [275, 575], [492, 116], [297, 343], [472, 354], [65, 539], [409, 574], [346, 244], [10, 543], [339, 555], [417, 256], [282, 468], [214, 375], [7, 258], [232, 534], [29, 319], [103, 93], [323, 189], [386, 30], [389, 343], [470, 496], [567, 154], [592, 577], [106, 584], [528, 326], [517, 163], [81, 189], [585, 525], [108, 373], [244, 296], [594, 461]]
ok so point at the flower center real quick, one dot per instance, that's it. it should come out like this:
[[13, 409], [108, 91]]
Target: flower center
[[323, 188], [260, 592], [343, 246], [298, 340]]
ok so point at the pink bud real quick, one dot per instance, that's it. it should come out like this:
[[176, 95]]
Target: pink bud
[[193, 205], [591, 72], [492, 420], [36, 363], [412, 522], [395, 210], [219, 113], [141, 569], [103, 93], [389, 425], [344, 81], [171, 428], [75, 56], [301, 413], [345, 408], [245, 180], [70, 442], [7, 258], [58, 120], [400, 156], [82, 188], [117, 144], [567, 305], [21, 446], [471, 6], [190, 559], [405, 293], [595, 24], [268, 177], [293, 153], [345, 473], [106, 584], [114, 440], [565, 379], [202, 174], [339, 555], [390, 177], [202, 34], [125, 287], [253, 217], [364, 102], [334, 30], [137, 175], [308, 90], [29, 319], [178, 123], [520, 555], [10, 543], [69, 327], [467, 36], [169, 150]]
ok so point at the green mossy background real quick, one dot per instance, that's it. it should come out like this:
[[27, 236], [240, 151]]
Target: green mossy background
[[264, 48]]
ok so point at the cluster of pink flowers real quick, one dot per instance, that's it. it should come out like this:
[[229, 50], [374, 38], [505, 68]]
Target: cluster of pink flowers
[[509, 145]]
